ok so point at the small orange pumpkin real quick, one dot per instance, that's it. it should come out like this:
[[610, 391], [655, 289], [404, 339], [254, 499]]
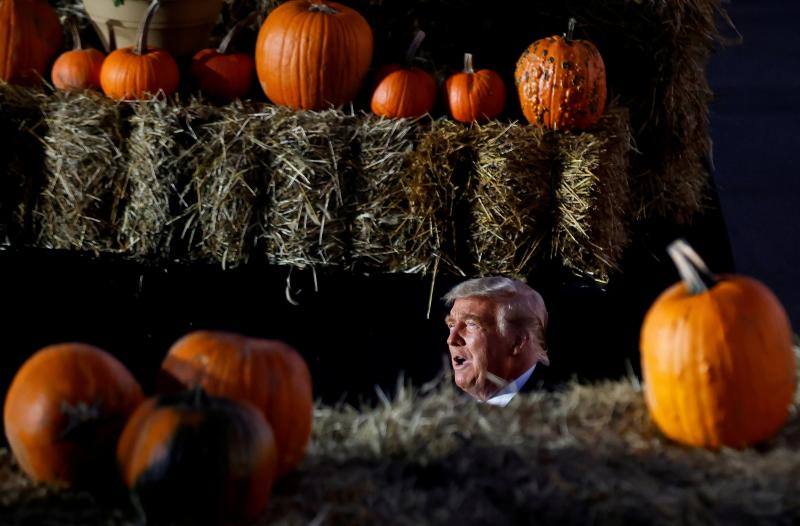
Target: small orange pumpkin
[[475, 95], [134, 72], [224, 76], [268, 373], [562, 82], [64, 411], [194, 459], [404, 92], [313, 54], [30, 35], [78, 69], [717, 358]]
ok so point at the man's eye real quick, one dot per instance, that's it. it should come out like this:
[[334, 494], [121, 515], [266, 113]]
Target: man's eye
[[472, 324]]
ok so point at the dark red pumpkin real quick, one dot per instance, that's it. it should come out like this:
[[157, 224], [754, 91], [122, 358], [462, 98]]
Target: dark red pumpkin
[[268, 373], [562, 82], [65, 410], [475, 95], [30, 36], [224, 76], [78, 69], [194, 459], [139, 71], [313, 54], [404, 91]]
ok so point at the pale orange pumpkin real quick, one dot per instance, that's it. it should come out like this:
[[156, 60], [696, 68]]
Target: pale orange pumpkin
[[404, 91], [139, 71], [224, 76], [313, 54], [561, 82], [717, 358], [268, 373], [78, 69], [475, 95], [30, 35]]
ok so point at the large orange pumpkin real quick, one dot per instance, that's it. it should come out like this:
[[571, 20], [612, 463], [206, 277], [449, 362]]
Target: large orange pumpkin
[[224, 76], [78, 69], [313, 54], [193, 459], [64, 412], [561, 82], [404, 91], [30, 35], [475, 95], [139, 71], [717, 358], [268, 373]]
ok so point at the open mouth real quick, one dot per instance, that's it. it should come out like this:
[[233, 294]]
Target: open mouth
[[460, 361]]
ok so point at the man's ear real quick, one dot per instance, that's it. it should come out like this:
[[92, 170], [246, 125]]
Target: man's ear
[[520, 343]]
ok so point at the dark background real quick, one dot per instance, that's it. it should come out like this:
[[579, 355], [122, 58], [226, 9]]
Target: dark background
[[356, 332]]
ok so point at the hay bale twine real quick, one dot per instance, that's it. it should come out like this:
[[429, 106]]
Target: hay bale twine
[[510, 199], [306, 221], [594, 197], [84, 174]]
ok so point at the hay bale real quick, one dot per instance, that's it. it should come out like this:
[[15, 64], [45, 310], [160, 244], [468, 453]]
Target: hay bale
[[155, 164], [510, 198], [381, 208], [593, 197], [306, 222], [227, 175], [84, 174], [21, 159]]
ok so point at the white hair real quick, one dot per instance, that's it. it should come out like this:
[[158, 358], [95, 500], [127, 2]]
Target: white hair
[[519, 306]]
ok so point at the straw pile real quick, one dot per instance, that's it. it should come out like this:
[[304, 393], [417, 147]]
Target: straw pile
[[153, 177], [306, 221], [593, 197], [584, 454], [511, 203], [78, 208]]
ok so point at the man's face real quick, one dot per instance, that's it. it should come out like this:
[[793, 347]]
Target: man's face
[[476, 346]]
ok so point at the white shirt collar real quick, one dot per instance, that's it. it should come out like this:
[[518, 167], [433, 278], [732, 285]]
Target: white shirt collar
[[506, 394]]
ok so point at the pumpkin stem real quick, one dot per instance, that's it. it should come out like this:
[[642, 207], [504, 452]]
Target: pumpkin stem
[[223, 46], [693, 270], [144, 27], [570, 29], [76, 35], [468, 63], [319, 7], [419, 36]]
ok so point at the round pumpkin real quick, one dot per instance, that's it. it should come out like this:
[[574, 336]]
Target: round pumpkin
[[78, 69], [224, 76], [136, 72], [475, 95], [194, 459], [30, 36], [717, 358], [268, 373], [404, 91], [561, 82], [313, 54], [64, 412]]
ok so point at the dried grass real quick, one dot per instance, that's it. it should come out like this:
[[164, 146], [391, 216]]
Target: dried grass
[[511, 201], [594, 197]]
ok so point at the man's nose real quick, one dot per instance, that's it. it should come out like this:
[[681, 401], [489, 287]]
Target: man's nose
[[454, 339]]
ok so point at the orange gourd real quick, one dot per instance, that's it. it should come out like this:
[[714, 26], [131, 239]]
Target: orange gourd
[[139, 71], [313, 54], [268, 373], [193, 459], [561, 82], [404, 91], [717, 358], [224, 76], [475, 95], [30, 36], [64, 411], [78, 69]]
